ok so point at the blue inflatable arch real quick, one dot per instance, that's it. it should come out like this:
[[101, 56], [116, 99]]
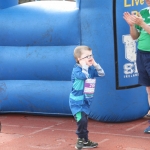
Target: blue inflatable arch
[[36, 58]]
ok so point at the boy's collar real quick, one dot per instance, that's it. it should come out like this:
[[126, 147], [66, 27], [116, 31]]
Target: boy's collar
[[79, 65]]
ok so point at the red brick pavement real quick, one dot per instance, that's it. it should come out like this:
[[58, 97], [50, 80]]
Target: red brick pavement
[[28, 132]]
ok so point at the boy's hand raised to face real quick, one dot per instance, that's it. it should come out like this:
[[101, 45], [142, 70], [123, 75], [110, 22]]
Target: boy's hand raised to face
[[82, 62], [94, 62]]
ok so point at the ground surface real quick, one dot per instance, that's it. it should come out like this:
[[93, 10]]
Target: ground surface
[[27, 132]]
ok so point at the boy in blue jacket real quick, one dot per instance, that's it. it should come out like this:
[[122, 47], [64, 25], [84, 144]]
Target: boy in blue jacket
[[83, 78]]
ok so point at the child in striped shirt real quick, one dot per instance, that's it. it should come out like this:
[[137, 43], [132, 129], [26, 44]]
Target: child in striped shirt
[[83, 79]]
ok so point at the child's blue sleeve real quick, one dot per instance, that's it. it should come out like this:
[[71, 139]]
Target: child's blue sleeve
[[81, 73]]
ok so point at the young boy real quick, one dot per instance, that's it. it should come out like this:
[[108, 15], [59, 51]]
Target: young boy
[[83, 78]]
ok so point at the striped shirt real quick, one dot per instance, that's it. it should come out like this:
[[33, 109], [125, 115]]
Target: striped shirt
[[77, 100]]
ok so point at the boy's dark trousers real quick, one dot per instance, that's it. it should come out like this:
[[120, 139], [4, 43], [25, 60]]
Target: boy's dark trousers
[[82, 125]]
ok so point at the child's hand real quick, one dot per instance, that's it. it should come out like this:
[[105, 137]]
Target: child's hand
[[82, 62], [94, 63]]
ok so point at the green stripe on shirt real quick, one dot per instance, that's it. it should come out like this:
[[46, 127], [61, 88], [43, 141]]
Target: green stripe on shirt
[[78, 84], [77, 98], [78, 116]]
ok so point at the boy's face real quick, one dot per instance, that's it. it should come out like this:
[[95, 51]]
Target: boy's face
[[147, 2], [86, 58]]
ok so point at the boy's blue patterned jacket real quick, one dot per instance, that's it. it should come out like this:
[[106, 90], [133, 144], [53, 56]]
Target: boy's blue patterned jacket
[[77, 100]]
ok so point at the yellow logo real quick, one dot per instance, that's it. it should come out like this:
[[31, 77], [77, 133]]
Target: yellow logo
[[131, 3]]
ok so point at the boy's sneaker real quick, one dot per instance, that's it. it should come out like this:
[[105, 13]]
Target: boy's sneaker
[[90, 144], [79, 144], [147, 130]]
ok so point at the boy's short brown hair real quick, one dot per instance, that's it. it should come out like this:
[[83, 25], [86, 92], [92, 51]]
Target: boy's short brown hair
[[78, 51]]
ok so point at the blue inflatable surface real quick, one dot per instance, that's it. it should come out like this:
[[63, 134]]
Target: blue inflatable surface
[[36, 57]]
